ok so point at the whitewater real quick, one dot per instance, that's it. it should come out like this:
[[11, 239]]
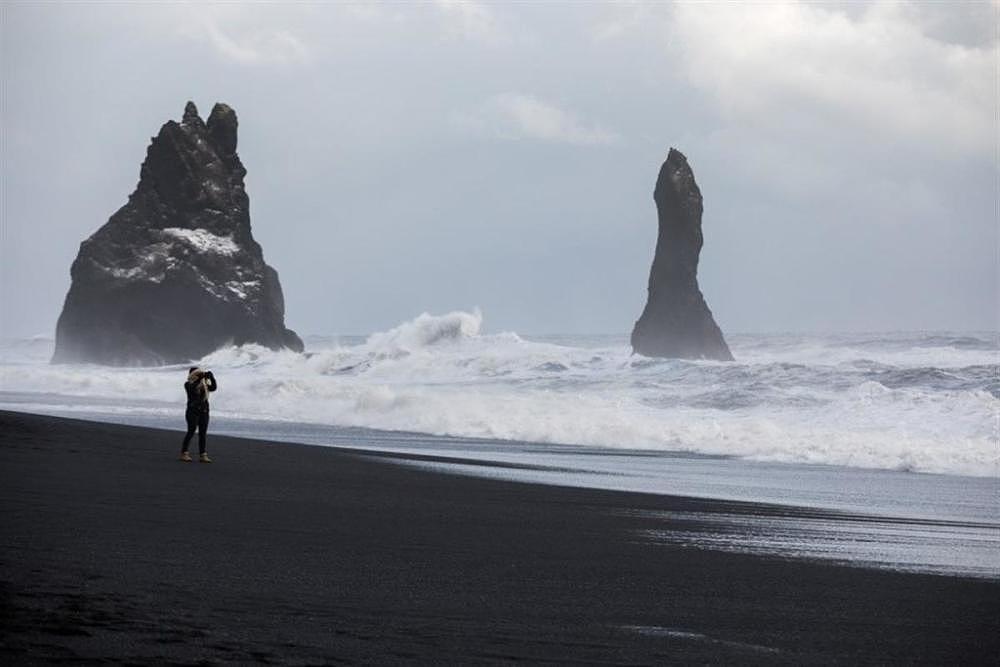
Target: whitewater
[[914, 401]]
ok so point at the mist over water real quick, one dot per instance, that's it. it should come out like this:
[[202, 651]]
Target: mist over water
[[926, 402]]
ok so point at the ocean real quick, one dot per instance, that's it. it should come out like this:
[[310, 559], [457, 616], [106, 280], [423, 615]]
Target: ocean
[[903, 425]]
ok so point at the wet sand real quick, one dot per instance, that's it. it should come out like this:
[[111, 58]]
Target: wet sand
[[114, 550]]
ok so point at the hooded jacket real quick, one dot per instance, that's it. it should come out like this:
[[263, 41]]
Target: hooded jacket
[[199, 384]]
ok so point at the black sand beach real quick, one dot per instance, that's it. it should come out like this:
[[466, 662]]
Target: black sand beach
[[114, 550]]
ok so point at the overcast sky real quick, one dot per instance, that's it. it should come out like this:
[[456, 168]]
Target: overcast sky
[[407, 158]]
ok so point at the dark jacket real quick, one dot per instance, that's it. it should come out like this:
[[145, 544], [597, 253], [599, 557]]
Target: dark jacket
[[198, 385]]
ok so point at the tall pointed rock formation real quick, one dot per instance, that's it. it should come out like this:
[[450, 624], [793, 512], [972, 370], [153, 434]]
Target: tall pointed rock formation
[[175, 273], [676, 322]]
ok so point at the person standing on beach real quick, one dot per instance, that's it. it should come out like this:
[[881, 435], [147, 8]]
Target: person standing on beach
[[199, 384]]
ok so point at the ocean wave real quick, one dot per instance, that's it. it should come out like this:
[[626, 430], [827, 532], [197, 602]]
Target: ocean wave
[[930, 408]]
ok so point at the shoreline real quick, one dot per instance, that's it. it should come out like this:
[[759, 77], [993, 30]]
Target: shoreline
[[902, 499], [287, 553], [307, 434]]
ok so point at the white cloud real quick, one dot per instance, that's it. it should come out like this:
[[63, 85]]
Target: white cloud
[[623, 21], [468, 18], [256, 45], [519, 116], [878, 72]]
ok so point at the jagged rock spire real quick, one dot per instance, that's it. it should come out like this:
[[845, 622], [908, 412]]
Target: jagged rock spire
[[175, 273]]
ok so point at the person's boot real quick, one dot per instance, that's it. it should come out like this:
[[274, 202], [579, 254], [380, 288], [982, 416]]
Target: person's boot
[[203, 458], [185, 457]]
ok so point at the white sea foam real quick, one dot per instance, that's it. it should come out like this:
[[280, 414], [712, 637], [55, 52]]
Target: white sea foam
[[916, 402]]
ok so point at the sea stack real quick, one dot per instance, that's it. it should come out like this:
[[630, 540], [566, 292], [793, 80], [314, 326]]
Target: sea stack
[[175, 273], [676, 322]]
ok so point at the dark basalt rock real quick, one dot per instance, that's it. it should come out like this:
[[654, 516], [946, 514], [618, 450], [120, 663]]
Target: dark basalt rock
[[175, 273], [676, 322]]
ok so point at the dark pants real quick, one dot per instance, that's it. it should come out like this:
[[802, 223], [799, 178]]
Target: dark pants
[[196, 419]]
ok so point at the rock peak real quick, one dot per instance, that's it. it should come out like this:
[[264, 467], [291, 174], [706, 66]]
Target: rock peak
[[190, 113], [222, 110], [675, 186], [676, 321], [222, 129]]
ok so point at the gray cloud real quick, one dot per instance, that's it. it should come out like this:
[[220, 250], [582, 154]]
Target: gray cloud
[[522, 116], [450, 155], [878, 75]]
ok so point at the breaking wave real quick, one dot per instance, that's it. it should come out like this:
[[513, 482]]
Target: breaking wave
[[920, 402]]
